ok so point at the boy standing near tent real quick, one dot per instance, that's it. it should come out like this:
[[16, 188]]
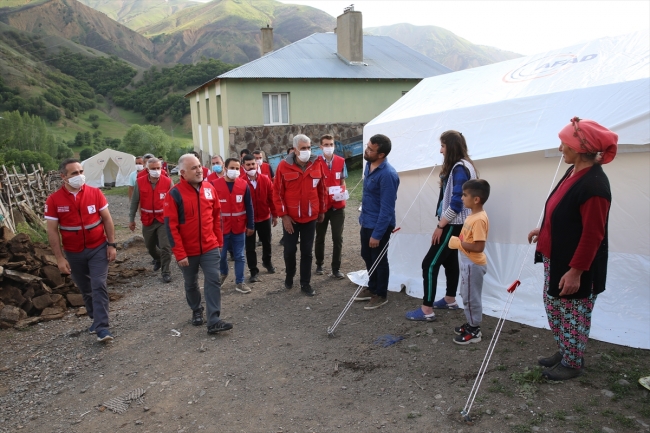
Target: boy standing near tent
[[149, 195], [473, 262]]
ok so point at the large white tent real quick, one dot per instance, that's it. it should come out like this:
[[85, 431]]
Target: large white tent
[[510, 114], [107, 167]]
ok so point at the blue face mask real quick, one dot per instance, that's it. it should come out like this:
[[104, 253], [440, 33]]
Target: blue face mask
[[217, 168]]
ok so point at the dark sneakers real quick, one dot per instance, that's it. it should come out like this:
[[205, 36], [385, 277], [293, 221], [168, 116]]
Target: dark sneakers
[[560, 372], [104, 336], [460, 330], [167, 278], [307, 290], [270, 269], [364, 295], [319, 270], [470, 335], [156, 265], [220, 326], [197, 317], [254, 279], [288, 283], [338, 274], [551, 361]]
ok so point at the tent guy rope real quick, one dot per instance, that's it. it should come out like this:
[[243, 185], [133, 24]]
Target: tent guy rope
[[506, 309], [331, 329]]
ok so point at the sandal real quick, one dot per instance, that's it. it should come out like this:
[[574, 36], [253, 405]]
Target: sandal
[[420, 316], [443, 305]]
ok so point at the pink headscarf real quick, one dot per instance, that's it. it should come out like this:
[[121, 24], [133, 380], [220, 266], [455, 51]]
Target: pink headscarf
[[587, 136]]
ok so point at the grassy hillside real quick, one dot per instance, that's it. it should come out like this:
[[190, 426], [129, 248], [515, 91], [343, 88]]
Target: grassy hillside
[[229, 30], [443, 46], [136, 14], [78, 23]]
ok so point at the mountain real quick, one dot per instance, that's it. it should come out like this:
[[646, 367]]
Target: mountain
[[136, 14], [81, 24], [443, 46], [229, 30]]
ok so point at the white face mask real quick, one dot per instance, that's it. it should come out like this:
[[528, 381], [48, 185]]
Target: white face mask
[[139, 167], [328, 151], [77, 181], [304, 155], [251, 173], [154, 173], [233, 174], [259, 161]]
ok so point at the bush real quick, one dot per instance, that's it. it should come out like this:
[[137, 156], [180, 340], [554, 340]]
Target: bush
[[86, 153], [93, 117], [95, 125]]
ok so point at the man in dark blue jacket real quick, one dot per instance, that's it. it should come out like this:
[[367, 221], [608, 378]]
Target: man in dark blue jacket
[[377, 219]]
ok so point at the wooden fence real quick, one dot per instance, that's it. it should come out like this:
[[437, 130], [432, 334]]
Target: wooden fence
[[23, 194]]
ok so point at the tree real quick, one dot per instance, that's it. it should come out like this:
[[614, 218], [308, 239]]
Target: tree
[[95, 125], [93, 117], [86, 153], [141, 139]]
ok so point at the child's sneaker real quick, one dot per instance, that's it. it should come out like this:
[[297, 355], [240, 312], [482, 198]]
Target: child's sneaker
[[460, 330], [471, 335]]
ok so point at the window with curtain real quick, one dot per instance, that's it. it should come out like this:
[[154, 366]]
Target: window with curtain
[[276, 108]]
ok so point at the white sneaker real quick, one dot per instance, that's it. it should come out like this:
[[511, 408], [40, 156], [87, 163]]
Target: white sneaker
[[242, 288]]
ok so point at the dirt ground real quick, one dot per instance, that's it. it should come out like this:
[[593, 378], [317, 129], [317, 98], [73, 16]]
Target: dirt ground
[[278, 371]]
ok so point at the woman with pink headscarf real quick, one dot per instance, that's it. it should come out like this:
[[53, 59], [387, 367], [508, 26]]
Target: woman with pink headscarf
[[572, 243]]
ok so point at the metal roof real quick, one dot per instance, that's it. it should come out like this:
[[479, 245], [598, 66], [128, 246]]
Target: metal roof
[[315, 57]]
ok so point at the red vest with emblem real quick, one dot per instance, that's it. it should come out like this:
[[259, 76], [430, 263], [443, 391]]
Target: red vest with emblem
[[152, 199], [80, 224], [333, 177], [233, 208]]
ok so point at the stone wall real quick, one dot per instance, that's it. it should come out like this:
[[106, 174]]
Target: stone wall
[[275, 139]]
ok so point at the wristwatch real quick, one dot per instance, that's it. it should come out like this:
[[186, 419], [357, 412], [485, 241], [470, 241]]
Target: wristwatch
[[112, 244], [438, 226]]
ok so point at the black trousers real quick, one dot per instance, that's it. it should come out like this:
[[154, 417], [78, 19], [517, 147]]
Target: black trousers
[[378, 280], [441, 255], [336, 218], [263, 230], [305, 232]]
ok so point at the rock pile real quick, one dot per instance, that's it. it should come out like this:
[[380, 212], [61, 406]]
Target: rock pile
[[33, 290]]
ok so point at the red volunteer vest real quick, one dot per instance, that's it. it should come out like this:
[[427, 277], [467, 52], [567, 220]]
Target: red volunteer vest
[[333, 177], [152, 200], [80, 224], [233, 208]]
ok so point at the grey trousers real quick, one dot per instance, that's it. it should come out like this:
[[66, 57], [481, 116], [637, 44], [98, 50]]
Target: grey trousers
[[471, 288], [155, 236], [89, 271], [209, 263]]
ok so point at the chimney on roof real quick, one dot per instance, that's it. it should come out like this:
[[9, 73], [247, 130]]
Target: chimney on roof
[[267, 39], [349, 35]]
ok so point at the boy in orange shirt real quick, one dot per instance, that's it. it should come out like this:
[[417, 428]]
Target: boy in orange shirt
[[473, 262]]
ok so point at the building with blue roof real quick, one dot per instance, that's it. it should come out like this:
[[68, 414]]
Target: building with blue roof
[[325, 83]]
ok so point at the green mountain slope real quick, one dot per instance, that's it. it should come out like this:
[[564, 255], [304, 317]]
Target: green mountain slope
[[136, 14], [79, 23], [229, 30], [443, 46]]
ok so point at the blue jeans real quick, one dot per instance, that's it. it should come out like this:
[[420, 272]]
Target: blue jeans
[[377, 280], [209, 262], [89, 271], [235, 243]]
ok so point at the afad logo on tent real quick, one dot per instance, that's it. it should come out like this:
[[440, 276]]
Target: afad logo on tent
[[545, 66]]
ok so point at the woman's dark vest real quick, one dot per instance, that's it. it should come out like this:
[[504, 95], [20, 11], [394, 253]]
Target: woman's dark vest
[[566, 223]]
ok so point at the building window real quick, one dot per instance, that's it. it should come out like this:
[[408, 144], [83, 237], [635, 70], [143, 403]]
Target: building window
[[276, 108]]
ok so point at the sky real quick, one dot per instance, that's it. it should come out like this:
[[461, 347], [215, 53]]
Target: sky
[[525, 27]]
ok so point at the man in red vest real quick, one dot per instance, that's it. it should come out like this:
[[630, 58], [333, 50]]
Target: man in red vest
[[261, 189], [149, 194], [262, 167], [237, 218], [299, 196], [79, 214], [144, 173], [335, 175], [193, 222], [217, 168]]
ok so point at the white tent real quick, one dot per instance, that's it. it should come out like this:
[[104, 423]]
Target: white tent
[[510, 114], [107, 167]]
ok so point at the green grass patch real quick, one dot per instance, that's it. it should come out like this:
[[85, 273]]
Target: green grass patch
[[528, 376], [354, 178], [559, 415], [118, 190], [35, 233]]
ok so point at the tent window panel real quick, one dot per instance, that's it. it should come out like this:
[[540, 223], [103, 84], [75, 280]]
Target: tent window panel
[[276, 108]]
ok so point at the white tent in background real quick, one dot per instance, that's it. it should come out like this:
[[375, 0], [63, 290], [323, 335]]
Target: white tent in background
[[510, 114], [107, 167]]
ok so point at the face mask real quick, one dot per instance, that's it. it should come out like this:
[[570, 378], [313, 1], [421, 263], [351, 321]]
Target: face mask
[[328, 151], [77, 181], [233, 174], [139, 167], [252, 172], [304, 155], [259, 161], [217, 168], [154, 173]]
